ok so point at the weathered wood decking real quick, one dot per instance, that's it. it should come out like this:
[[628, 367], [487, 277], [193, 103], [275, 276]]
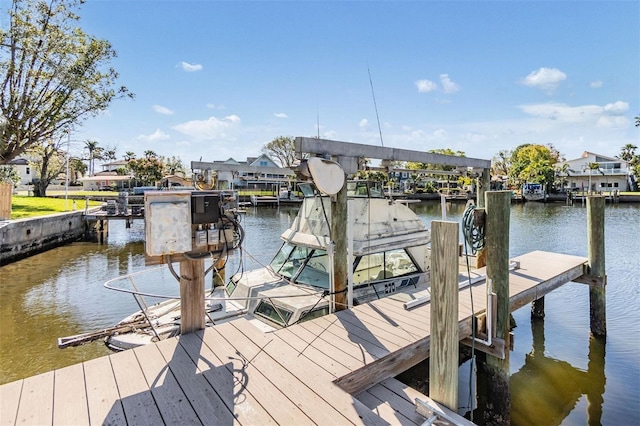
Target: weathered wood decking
[[337, 369]]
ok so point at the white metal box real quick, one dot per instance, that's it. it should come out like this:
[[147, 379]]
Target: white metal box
[[167, 222]]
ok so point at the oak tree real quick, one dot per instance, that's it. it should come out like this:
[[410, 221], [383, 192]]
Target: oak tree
[[53, 75]]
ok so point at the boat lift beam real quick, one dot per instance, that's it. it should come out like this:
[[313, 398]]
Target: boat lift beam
[[355, 150]]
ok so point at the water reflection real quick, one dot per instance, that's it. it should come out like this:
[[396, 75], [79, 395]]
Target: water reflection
[[545, 390]]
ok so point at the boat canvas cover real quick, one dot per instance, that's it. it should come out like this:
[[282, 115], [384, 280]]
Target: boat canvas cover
[[378, 225]]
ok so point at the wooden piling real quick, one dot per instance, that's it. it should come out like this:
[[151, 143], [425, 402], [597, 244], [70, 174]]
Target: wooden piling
[[219, 272], [191, 295], [484, 185], [537, 308], [338, 235], [596, 262], [497, 246], [443, 358]]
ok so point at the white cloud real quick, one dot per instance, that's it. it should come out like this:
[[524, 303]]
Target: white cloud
[[596, 84], [162, 110], [331, 134], [546, 79], [616, 108], [156, 136], [448, 86], [610, 115], [214, 106], [186, 66], [211, 128], [426, 86], [280, 115], [363, 123]]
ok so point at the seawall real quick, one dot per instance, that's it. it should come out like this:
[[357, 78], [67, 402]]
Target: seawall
[[24, 237]]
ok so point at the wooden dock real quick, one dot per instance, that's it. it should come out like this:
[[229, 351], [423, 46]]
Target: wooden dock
[[337, 369]]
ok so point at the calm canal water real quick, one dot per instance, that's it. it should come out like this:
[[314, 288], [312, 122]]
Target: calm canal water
[[559, 374]]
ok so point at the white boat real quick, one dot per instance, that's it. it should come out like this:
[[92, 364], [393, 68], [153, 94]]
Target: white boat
[[533, 192], [390, 254]]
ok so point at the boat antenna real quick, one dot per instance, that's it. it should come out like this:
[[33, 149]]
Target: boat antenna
[[375, 105], [318, 120]]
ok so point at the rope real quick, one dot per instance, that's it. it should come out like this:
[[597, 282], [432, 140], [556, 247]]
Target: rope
[[473, 234]]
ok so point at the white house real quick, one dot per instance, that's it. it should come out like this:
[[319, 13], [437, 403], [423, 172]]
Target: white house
[[255, 173], [611, 174], [24, 170]]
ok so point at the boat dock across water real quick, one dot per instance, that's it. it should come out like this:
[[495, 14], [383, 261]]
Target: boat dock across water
[[336, 369]]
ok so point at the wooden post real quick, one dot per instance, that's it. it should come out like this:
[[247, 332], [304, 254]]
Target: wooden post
[[596, 259], [537, 308], [443, 356], [338, 235], [5, 200], [191, 295], [484, 185], [497, 245], [219, 272]]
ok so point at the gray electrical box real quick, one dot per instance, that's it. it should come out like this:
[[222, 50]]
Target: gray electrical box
[[205, 207]]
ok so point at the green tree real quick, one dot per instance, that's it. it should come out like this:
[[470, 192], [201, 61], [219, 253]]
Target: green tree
[[282, 150], [53, 75], [77, 169], [628, 152], [48, 162], [148, 170], [533, 163], [173, 165], [501, 163], [129, 155], [9, 174], [95, 153]]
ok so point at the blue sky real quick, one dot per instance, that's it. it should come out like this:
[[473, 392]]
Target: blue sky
[[217, 79]]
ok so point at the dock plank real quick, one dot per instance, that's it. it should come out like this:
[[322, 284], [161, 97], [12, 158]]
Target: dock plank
[[246, 409], [36, 400], [315, 378], [203, 398], [393, 322], [70, 396], [367, 341], [251, 380], [137, 402], [386, 331], [103, 398], [309, 402], [9, 402], [384, 410], [302, 348], [326, 348], [355, 342], [173, 404]]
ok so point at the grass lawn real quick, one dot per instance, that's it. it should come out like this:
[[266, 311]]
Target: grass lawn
[[24, 207]]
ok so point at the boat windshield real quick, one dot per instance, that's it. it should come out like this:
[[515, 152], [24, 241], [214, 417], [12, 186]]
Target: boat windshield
[[314, 272], [303, 265], [310, 266], [380, 266]]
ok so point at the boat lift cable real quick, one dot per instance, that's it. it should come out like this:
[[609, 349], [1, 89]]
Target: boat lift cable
[[474, 237], [473, 233]]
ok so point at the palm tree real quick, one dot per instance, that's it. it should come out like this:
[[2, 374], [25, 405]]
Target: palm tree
[[149, 154], [92, 147], [628, 152], [129, 155]]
